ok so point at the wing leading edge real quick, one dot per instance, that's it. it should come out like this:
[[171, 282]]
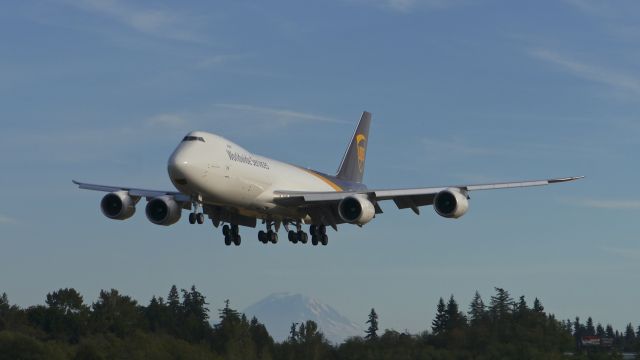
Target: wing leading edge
[[147, 193]]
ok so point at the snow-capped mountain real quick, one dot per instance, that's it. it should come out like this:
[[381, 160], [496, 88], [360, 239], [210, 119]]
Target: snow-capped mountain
[[279, 311]]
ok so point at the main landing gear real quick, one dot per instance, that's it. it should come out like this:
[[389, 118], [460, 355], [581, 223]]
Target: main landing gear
[[269, 236], [298, 235], [231, 235], [318, 235]]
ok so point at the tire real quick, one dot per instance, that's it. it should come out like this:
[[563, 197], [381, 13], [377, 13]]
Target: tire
[[274, 237], [225, 230], [235, 230], [322, 230], [227, 240], [303, 237], [262, 237], [200, 218], [192, 218], [237, 240], [314, 240], [312, 230], [293, 237]]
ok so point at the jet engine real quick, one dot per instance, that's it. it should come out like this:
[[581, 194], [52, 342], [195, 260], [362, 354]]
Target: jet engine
[[118, 205], [356, 209], [451, 203], [163, 210]]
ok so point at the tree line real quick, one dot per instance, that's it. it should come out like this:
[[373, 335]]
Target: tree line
[[179, 326]]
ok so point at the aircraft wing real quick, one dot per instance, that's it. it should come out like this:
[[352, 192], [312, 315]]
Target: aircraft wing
[[403, 198], [134, 192]]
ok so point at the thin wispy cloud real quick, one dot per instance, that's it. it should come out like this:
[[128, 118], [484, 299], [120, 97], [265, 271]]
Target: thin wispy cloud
[[163, 23], [6, 220], [610, 204], [454, 146], [282, 116], [217, 60], [615, 79], [408, 5], [599, 8], [168, 121], [632, 254]]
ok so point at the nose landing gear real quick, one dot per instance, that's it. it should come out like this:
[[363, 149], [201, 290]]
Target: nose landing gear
[[195, 216]]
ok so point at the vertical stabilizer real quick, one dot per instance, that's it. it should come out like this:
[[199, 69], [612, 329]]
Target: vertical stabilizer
[[352, 166]]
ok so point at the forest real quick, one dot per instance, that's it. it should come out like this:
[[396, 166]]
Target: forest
[[181, 326]]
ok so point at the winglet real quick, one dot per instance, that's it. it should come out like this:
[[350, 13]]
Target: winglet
[[572, 178]]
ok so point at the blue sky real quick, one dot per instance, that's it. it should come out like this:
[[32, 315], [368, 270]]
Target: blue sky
[[460, 91]]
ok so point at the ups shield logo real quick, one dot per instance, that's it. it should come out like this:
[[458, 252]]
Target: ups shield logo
[[361, 144]]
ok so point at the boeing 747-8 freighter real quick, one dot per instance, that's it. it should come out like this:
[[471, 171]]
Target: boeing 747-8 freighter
[[234, 187]]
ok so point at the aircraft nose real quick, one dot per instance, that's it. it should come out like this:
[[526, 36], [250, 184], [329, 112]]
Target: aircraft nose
[[179, 167]]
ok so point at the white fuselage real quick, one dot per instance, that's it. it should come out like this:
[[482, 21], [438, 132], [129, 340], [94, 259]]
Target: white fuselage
[[219, 172]]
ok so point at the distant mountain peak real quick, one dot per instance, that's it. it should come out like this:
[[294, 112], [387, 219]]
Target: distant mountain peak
[[279, 310]]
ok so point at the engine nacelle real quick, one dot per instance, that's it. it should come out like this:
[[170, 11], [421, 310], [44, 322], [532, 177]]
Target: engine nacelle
[[118, 205], [163, 210], [451, 203], [356, 209]]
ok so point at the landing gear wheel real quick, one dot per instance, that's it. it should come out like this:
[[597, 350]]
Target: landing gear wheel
[[312, 230], [293, 237], [225, 230], [237, 240], [324, 239], [302, 237], [322, 230], [272, 236], [227, 240], [199, 218], [314, 240], [262, 237], [192, 218]]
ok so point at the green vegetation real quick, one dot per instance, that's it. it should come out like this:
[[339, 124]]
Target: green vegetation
[[115, 326]]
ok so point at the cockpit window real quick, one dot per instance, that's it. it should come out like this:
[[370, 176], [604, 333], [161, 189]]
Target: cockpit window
[[193, 138]]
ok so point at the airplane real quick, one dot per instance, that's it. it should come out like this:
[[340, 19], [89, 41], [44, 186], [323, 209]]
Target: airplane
[[235, 187]]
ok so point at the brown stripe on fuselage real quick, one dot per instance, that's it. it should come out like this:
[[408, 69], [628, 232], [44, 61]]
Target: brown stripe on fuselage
[[327, 181]]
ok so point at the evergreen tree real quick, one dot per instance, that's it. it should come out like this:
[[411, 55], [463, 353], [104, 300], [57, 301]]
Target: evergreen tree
[[173, 300], [372, 331], [477, 309], [4, 310], [261, 338], [521, 307], [454, 317], [600, 330], [537, 306], [590, 330], [439, 323], [293, 332], [629, 334], [609, 331], [500, 306], [577, 328]]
